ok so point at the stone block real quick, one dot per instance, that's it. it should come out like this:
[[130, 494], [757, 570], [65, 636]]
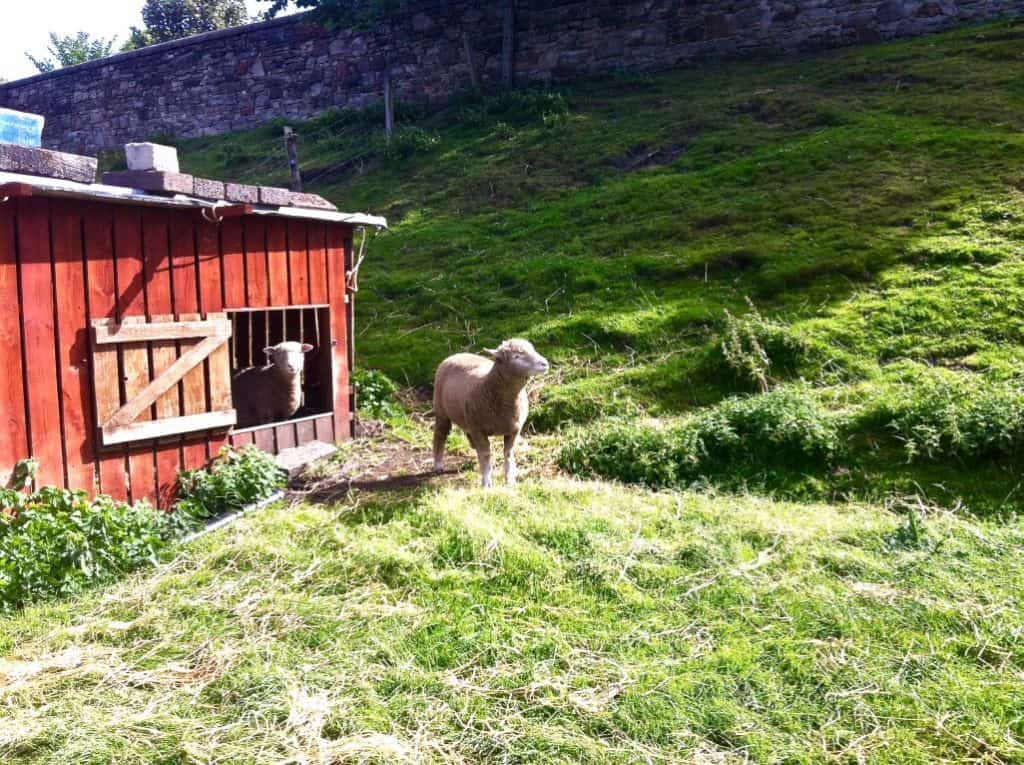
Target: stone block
[[152, 156], [314, 201], [269, 195], [242, 192], [296, 458], [159, 182], [49, 164], [209, 189], [21, 128]]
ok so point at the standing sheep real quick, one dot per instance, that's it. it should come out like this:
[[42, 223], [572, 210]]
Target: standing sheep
[[485, 398], [272, 393]]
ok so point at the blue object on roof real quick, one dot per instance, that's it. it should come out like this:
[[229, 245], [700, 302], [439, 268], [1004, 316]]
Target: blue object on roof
[[21, 128]]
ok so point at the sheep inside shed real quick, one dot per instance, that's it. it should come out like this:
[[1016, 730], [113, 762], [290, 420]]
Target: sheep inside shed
[[271, 393], [485, 398]]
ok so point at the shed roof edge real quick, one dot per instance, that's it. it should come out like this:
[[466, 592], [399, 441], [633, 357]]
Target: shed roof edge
[[102, 192]]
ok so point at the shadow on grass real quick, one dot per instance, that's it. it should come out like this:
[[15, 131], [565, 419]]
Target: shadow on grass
[[339, 488]]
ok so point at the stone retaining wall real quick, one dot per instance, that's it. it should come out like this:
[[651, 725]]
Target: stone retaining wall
[[289, 68]]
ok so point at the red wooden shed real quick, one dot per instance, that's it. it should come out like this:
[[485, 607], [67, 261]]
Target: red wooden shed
[[123, 314]]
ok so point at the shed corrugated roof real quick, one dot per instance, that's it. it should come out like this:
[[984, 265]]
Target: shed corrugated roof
[[101, 192]]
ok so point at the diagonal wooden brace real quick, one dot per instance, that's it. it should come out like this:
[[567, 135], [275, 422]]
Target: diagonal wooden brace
[[128, 413]]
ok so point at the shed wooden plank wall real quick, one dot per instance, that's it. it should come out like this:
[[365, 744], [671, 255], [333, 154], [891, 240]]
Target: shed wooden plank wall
[[65, 262]]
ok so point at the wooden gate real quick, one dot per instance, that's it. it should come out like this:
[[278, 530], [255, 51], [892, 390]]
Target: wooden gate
[[161, 378]]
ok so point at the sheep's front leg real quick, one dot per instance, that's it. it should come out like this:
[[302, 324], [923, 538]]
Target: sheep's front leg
[[511, 471], [483, 454]]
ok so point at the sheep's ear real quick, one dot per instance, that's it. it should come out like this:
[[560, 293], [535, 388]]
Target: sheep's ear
[[492, 351], [306, 347], [269, 350]]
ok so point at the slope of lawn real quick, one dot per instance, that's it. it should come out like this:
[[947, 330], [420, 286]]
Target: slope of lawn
[[867, 202], [795, 285], [565, 623]]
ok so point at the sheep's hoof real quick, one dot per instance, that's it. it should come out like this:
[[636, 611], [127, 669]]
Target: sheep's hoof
[[438, 467]]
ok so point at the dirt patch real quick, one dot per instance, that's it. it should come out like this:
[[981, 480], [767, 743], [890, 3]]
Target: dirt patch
[[380, 461], [642, 157]]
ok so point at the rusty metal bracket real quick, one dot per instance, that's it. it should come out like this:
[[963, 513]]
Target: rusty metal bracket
[[9, 190], [217, 213]]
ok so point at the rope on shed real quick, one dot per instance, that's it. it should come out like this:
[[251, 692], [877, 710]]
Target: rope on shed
[[353, 275]]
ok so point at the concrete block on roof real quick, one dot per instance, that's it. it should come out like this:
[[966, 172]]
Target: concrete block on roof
[[159, 182], [152, 156], [269, 195], [48, 164], [242, 192], [21, 128], [314, 201], [209, 189]]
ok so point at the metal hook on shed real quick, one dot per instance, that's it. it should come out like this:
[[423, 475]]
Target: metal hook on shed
[[210, 214]]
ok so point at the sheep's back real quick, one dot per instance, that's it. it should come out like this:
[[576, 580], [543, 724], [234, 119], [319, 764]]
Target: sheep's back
[[251, 395], [456, 378]]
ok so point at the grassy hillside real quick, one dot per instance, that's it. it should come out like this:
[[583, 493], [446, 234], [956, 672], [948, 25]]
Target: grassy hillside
[[867, 202]]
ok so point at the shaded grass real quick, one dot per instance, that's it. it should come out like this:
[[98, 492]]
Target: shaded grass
[[564, 623]]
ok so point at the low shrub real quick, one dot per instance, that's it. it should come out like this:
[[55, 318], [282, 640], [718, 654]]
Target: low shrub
[[517, 107], [940, 414], [785, 427], [375, 394], [406, 142], [758, 350], [236, 478], [56, 542]]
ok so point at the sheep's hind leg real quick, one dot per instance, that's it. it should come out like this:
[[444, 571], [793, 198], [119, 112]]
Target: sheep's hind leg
[[442, 427], [483, 453], [511, 470]]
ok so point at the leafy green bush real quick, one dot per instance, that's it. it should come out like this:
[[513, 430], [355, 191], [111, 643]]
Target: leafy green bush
[[517, 107], [755, 347], [369, 116], [785, 427], [56, 542], [376, 394], [407, 141], [941, 414], [238, 477]]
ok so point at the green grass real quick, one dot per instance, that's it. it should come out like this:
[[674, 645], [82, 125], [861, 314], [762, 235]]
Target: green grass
[[834, 574], [868, 201], [564, 623]]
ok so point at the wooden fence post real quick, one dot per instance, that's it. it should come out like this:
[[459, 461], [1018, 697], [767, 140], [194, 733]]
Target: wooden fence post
[[293, 158], [467, 50], [389, 106], [508, 42]]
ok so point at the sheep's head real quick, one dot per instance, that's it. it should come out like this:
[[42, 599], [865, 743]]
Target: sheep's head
[[519, 357], [288, 357]]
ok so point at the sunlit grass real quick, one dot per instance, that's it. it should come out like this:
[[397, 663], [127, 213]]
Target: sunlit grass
[[562, 623]]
